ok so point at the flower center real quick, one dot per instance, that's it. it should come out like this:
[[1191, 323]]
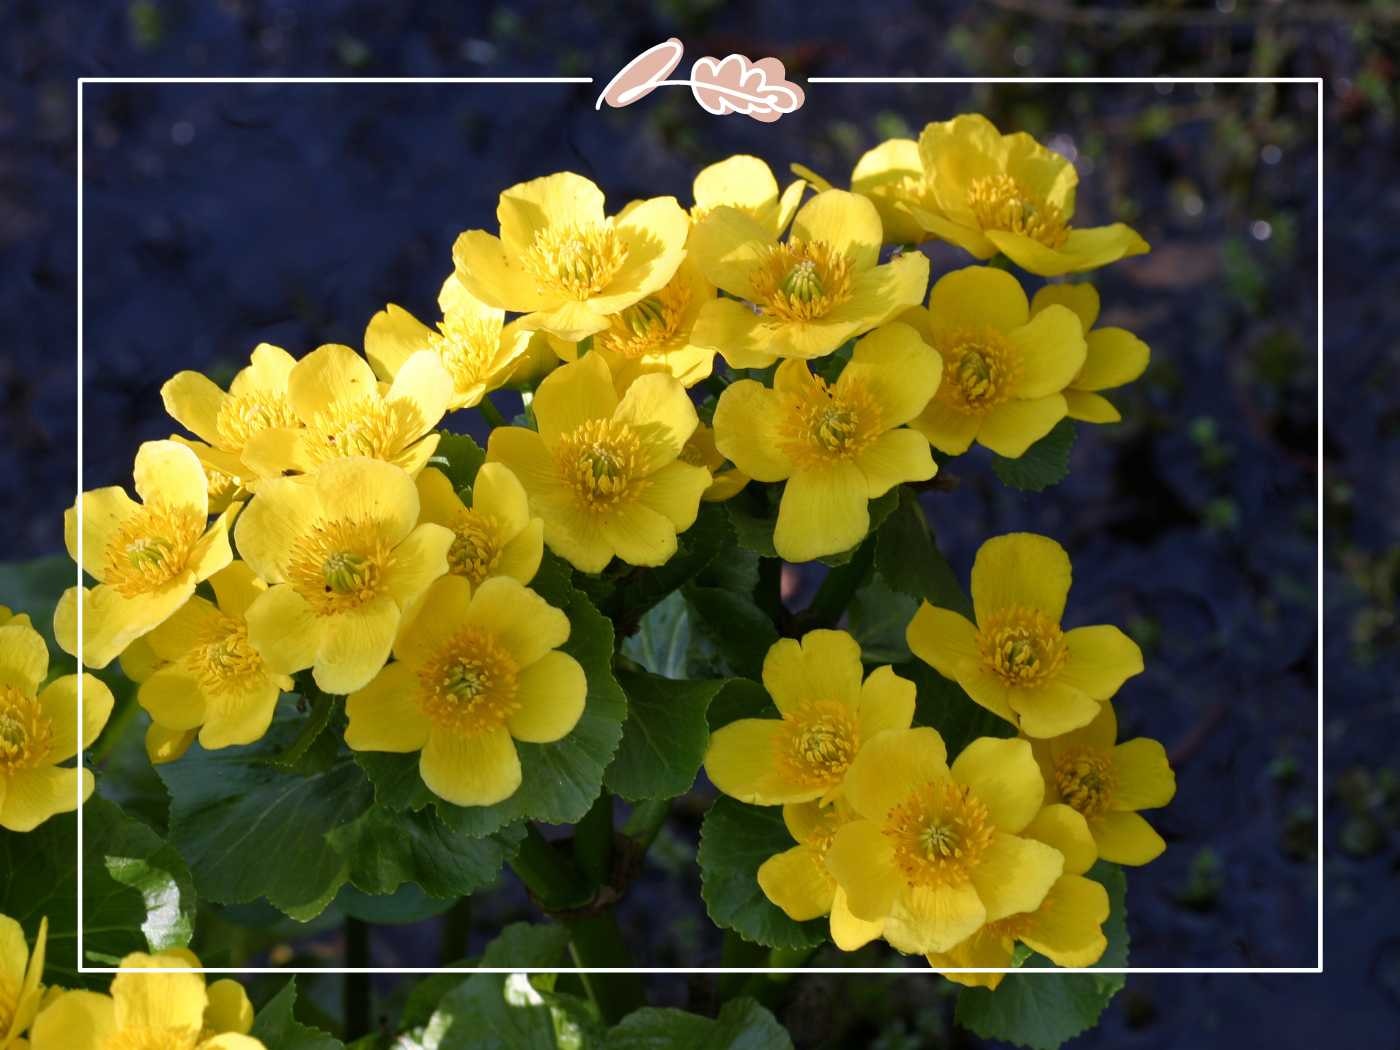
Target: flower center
[[1085, 780], [1023, 646], [243, 415], [151, 548], [579, 261], [999, 202], [599, 460], [469, 687], [474, 551], [980, 371], [339, 565], [152, 1039], [819, 742], [803, 280], [649, 325], [822, 425], [26, 733], [367, 426], [467, 347], [939, 833], [222, 487], [224, 659]]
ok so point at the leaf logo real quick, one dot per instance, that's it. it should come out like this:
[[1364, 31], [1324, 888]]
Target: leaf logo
[[733, 84]]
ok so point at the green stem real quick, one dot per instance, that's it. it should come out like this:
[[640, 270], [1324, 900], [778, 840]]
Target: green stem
[[738, 952], [549, 873], [492, 413], [596, 942], [645, 822], [838, 588], [358, 1007], [593, 840], [456, 932]]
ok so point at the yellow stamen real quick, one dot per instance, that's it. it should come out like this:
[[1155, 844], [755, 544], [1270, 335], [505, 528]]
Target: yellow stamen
[[999, 202], [1022, 645], [151, 548], [600, 460], [224, 659], [467, 347], [26, 733], [469, 687], [243, 415], [818, 742], [980, 370], [939, 833], [368, 426], [802, 280], [475, 549], [821, 424], [339, 565], [648, 326], [1086, 780], [579, 261]]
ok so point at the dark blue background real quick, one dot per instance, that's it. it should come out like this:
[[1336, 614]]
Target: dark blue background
[[218, 216]]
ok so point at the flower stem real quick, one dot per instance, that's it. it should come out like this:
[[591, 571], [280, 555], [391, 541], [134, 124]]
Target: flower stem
[[492, 413], [593, 840], [549, 873], [596, 942]]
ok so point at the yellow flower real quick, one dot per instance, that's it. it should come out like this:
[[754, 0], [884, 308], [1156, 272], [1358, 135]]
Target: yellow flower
[[826, 716], [344, 555], [701, 451], [798, 882], [473, 673], [604, 473], [495, 536], [479, 350], [1004, 372], [8, 615], [208, 676], [1015, 660], [654, 335], [225, 422], [936, 852], [1108, 784], [837, 445], [341, 410], [993, 192], [563, 263], [1113, 356], [147, 557], [20, 991], [746, 184], [224, 489], [1067, 928], [39, 729], [810, 293], [891, 175], [150, 1011]]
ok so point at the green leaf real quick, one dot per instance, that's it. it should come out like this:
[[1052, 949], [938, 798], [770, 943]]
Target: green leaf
[[387, 850], [908, 559], [1043, 464], [133, 855], [664, 738], [741, 632], [754, 523], [559, 781], [735, 840], [459, 457], [877, 618], [740, 698], [945, 706], [696, 548], [276, 1027], [742, 1025], [408, 904], [312, 749], [661, 643], [1044, 1010]]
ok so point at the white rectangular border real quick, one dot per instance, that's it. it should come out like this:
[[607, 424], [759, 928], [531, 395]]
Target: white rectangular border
[[1318, 968]]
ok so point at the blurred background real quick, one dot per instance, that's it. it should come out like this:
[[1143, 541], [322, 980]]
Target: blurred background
[[218, 216]]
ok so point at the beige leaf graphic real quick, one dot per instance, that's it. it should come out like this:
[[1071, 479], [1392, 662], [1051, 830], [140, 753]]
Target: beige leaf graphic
[[733, 84], [643, 75]]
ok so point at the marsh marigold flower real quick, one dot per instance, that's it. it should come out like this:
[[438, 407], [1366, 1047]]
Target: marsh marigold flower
[[150, 1011], [20, 973], [798, 882], [147, 557], [809, 293], [208, 677], [605, 472], [1004, 371], [341, 410], [837, 445], [1016, 661], [565, 264], [344, 555], [702, 451], [479, 350], [496, 535], [746, 184], [1008, 193], [39, 729], [1067, 928], [892, 176], [1112, 357], [938, 851], [826, 715], [1109, 783], [474, 672], [225, 422]]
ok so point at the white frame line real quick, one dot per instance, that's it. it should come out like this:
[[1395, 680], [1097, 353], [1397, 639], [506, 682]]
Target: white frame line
[[78, 503]]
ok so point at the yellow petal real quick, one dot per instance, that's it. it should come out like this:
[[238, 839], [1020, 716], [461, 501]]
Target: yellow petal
[[328, 376], [824, 665], [986, 947], [393, 336], [384, 715], [111, 621], [987, 689], [1051, 709], [284, 630], [1068, 930], [495, 276], [742, 761], [729, 248], [525, 453], [236, 587], [173, 697], [1084, 249], [740, 181], [654, 234], [425, 384], [24, 659], [878, 175], [639, 535], [438, 501], [523, 622], [899, 370], [657, 407], [797, 881], [167, 745], [158, 1001], [893, 458], [1014, 426], [1113, 357], [861, 860], [212, 553], [267, 372], [962, 231], [520, 558], [1082, 299], [355, 645], [1015, 874], [886, 702], [551, 694], [948, 430], [243, 717], [563, 199], [418, 561], [822, 511], [933, 919], [892, 765], [74, 1021], [1052, 348], [367, 491], [1125, 838], [1089, 408], [168, 472], [675, 492], [1020, 569], [193, 400], [105, 510], [574, 535], [433, 619], [1144, 777], [977, 297], [877, 295], [943, 639], [735, 331], [746, 419], [1065, 829], [847, 932], [496, 491], [478, 770], [1004, 775], [1100, 659], [283, 509], [34, 795], [570, 396], [228, 1008], [846, 221]]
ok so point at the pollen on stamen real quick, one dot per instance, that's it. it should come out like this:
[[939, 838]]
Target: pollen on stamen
[[939, 833], [802, 280], [223, 658], [467, 348], [980, 370], [368, 426], [470, 686], [822, 424], [819, 742], [475, 547], [648, 325], [1086, 780], [26, 732], [999, 202], [339, 565], [1023, 646], [579, 261], [600, 460], [151, 548], [243, 415]]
